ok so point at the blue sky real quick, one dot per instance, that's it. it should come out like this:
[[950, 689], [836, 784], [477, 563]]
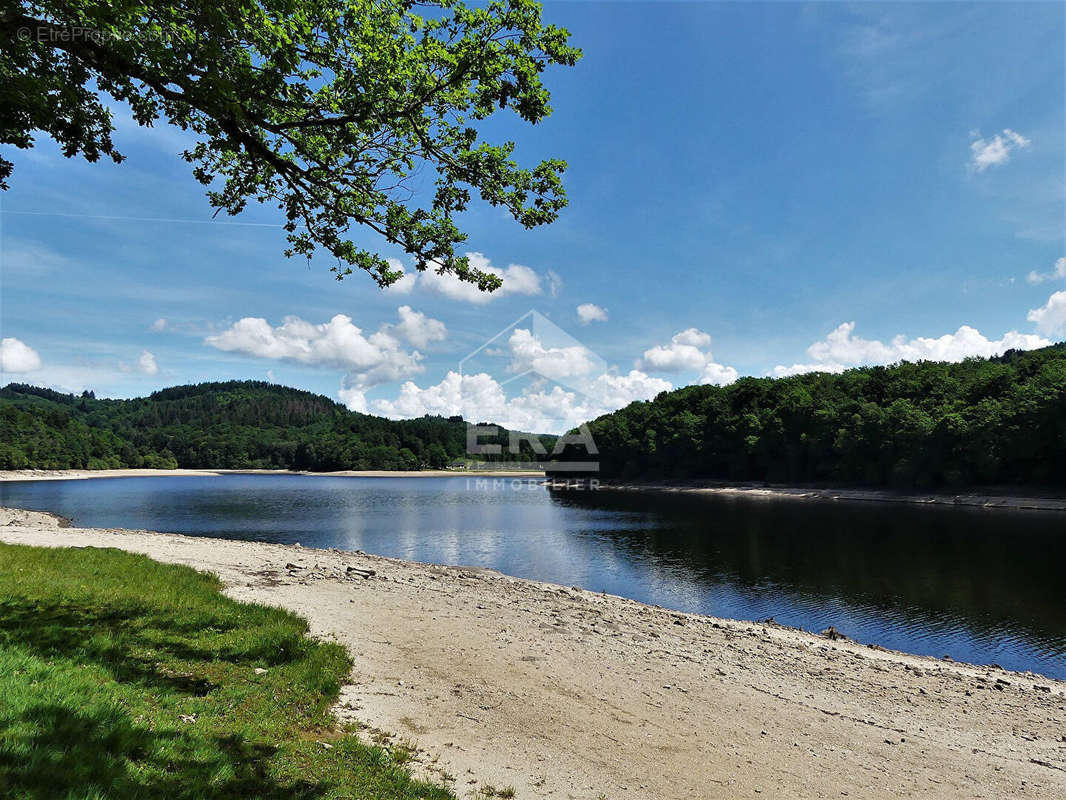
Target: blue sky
[[754, 189]]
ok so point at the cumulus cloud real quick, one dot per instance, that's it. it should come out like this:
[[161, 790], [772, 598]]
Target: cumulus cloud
[[17, 356], [406, 283], [985, 153], [1051, 317], [718, 374], [615, 391], [688, 351], [418, 329], [842, 349], [370, 359], [684, 353], [1057, 272], [782, 371], [590, 312], [476, 397], [678, 356], [480, 397], [517, 279], [556, 363], [588, 388], [159, 325], [146, 363]]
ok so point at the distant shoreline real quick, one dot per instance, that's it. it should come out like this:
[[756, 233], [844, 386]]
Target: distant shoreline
[[84, 474], [1010, 499]]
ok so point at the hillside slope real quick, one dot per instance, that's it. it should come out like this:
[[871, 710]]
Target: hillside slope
[[232, 425], [988, 421]]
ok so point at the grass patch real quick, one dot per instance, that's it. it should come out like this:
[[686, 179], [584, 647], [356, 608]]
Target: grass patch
[[121, 677]]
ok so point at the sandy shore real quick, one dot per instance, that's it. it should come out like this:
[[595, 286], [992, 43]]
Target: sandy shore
[[565, 693], [82, 474], [1035, 501]]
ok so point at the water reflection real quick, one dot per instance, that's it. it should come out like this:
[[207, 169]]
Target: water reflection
[[983, 586], [978, 584]]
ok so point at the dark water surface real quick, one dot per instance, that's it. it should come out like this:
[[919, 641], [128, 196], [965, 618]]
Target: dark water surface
[[983, 586]]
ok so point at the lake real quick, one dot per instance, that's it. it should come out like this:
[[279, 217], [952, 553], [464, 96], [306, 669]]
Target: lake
[[982, 586]]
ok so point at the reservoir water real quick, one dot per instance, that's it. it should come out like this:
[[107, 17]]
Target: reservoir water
[[984, 586]]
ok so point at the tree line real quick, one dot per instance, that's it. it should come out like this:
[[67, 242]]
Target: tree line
[[923, 425], [230, 425]]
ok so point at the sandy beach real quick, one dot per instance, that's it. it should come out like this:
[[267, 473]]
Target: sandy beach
[[565, 693]]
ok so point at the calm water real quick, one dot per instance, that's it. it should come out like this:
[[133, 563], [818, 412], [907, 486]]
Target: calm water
[[982, 586]]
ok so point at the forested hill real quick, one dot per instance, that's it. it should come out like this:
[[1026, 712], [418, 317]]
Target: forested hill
[[923, 425], [233, 425]]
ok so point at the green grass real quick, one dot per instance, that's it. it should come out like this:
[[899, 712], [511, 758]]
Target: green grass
[[124, 678]]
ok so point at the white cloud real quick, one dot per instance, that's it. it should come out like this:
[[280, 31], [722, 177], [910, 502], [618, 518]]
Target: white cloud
[[16, 356], [615, 391], [841, 349], [590, 312], [477, 397], [406, 283], [517, 279], [353, 396], [480, 398], [589, 388], [146, 363], [692, 337], [1051, 318], [418, 329], [556, 363], [985, 153], [684, 353], [688, 351], [781, 371], [371, 359], [159, 325], [1058, 271], [718, 374]]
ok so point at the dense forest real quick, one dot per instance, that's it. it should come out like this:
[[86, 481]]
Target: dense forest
[[233, 425], [921, 425]]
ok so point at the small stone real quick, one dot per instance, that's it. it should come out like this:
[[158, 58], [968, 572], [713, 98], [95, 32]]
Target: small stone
[[260, 671]]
